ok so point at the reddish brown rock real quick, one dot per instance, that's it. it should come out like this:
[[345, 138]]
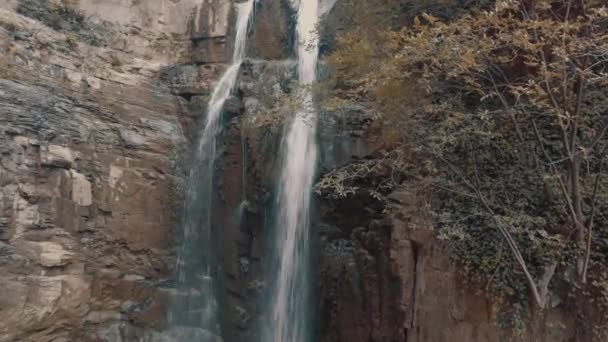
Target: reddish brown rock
[[394, 282], [89, 151]]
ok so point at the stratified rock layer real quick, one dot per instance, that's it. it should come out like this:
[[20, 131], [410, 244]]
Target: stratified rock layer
[[90, 142]]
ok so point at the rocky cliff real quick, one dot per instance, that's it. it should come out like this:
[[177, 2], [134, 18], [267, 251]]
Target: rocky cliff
[[98, 100], [91, 140]]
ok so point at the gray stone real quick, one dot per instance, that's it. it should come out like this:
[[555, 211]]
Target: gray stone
[[211, 50], [88, 139], [53, 254], [211, 19], [57, 156]]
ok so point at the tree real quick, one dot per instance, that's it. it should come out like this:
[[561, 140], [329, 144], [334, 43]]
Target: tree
[[512, 105]]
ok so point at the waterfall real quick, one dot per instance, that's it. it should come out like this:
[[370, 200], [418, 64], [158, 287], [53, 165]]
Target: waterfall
[[195, 304], [290, 299]]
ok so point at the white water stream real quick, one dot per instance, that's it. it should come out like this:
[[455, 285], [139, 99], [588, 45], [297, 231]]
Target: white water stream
[[227, 82], [290, 299], [196, 304]]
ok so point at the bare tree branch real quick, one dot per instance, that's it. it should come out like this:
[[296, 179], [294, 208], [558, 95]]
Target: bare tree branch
[[592, 216]]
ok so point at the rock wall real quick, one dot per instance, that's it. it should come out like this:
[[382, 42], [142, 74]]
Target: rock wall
[[90, 142], [387, 278]]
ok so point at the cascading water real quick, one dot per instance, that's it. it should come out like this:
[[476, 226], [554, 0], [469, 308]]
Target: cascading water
[[195, 304], [290, 299]]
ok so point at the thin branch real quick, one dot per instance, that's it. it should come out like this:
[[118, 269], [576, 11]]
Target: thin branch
[[509, 110], [592, 216], [564, 133], [565, 67], [557, 175], [546, 279], [462, 193], [577, 111]]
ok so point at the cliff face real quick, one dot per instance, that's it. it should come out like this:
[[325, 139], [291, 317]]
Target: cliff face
[[388, 278], [90, 140], [98, 100]]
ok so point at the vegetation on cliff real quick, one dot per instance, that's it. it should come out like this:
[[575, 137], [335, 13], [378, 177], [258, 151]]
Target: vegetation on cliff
[[502, 114], [64, 17]]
